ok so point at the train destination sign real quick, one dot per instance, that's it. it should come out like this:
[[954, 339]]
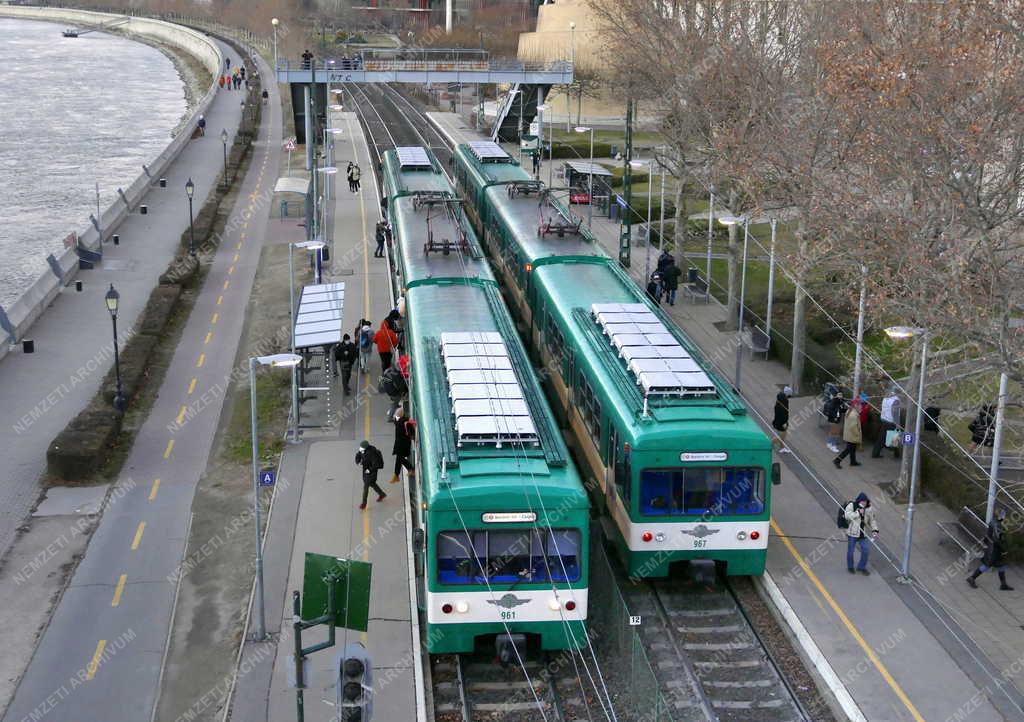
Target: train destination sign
[[508, 517], [703, 456]]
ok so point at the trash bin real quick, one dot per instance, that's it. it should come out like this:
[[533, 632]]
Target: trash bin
[[692, 275]]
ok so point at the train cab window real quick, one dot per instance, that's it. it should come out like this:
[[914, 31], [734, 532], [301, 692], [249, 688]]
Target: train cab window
[[458, 560], [515, 555], [696, 491]]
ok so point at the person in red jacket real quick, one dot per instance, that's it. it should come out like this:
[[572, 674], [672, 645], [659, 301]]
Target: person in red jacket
[[387, 341]]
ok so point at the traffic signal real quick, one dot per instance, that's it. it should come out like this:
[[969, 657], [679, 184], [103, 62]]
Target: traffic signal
[[355, 684]]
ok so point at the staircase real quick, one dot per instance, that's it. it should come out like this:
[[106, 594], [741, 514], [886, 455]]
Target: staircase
[[507, 126]]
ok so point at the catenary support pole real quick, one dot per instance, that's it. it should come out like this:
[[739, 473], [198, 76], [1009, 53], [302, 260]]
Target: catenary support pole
[[997, 447], [771, 285], [711, 238], [260, 622], [915, 465], [743, 291], [859, 353]]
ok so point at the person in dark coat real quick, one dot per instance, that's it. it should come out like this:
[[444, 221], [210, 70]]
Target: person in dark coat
[[994, 556], [780, 421], [346, 354], [983, 427], [654, 288], [380, 236], [405, 433], [671, 276], [835, 409], [664, 260], [372, 461]]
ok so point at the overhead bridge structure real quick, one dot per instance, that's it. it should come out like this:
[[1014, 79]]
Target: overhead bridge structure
[[311, 79]]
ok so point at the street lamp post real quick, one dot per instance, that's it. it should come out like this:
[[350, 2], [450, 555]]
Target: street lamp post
[[112, 299], [911, 332], [281, 359], [590, 205], [647, 233], [859, 351], [728, 221], [771, 285], [711, 236], [274, 22], [572, 63], [190, 189], [224, 142]]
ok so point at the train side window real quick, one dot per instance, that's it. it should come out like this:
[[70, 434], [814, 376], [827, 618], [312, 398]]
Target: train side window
[[555, 341], [590, 409]]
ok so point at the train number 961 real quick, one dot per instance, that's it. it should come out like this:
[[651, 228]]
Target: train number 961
[[507, 616], [700, 543]]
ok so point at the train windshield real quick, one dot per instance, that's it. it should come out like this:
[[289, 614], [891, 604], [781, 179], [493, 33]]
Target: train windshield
[[504, 557], [715, 491]]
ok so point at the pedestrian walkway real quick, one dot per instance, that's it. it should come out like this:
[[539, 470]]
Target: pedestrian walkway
[[932, 650], [102, 655], [41, 392], [318, 512]]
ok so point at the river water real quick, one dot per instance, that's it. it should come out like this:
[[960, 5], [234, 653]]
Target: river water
[[73, 112]]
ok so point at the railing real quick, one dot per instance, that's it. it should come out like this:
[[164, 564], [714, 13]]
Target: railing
[[372, 63]]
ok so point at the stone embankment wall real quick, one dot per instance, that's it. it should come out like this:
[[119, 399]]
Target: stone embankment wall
[[63, 266]]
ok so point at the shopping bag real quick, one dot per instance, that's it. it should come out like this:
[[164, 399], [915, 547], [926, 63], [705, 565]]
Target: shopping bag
[[892, 438]]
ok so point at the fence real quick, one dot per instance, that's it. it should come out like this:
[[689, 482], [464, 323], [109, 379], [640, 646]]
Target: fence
[[630, 679]]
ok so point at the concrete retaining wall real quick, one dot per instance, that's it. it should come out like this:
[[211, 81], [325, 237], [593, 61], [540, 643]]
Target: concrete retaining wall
[[63, 266]]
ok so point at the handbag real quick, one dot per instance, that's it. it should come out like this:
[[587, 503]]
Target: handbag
[[892, 438]]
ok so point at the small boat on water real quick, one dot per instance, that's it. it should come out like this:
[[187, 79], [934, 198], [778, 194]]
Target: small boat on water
[[70, 33]]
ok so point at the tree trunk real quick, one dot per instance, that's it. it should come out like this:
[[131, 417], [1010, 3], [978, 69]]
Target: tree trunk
[[796, 365], [679, 231], [733, 302]]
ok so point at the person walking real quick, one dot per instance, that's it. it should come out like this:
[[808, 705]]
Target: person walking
[[664, 259], [982, 428], [387, 341], [364, 341], [671, 276], [201, 124], [405, 433], [227, 63], [890, 415], [346, 354], [266, 95], [852, 435], [356, 173], [835, 408], [372, 461], [379, 253], [994, 553], [860, 518], [348, 174], [307, 60], [780, 421]]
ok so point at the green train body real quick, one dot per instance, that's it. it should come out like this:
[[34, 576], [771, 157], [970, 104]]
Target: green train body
[[683, 472], [502, 519]]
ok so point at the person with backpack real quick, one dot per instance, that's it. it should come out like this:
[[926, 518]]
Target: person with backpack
[[994, 554], [405, 433], [356, 173], [671, 276], [380, 237], [835, 408], [364, 343], [982, 428], [387, 341], [393, 383], [858, 519], [345, 355], [372, 461], [780, 420]]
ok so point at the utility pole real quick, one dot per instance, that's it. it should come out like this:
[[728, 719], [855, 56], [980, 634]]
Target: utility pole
[[625, 235], [997, 445]]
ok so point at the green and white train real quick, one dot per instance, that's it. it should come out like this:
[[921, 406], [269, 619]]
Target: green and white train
[[501, 514], [683, 471]]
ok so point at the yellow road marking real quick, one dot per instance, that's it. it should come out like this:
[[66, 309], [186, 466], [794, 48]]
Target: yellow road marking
[[231, 269], [227, 283], [201, 360], [154, 489], [138, 535], [181, 415], [213, 319], [882, 670], [239, 246], [242, 235], [209, 335], [167, 451], [192, 385], [220, 300], [90, 670], [118, 590], [235, 259]]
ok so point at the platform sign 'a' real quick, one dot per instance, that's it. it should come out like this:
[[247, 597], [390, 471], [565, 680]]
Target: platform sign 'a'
[[351, 582]]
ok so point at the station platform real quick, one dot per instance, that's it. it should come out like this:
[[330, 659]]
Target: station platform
[[322, 487], [930, 650]]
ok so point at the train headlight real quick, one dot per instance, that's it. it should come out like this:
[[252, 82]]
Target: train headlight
[[741, 535], [660, 536], [461, 607], [755, 535], [554, 605]]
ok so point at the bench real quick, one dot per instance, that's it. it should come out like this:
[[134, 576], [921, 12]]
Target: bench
[[696, 289], [757, 341], [967, 532]]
